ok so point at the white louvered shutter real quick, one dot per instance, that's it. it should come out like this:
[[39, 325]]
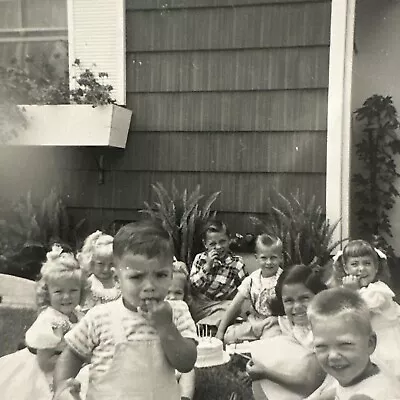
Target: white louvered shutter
[[96, 36]]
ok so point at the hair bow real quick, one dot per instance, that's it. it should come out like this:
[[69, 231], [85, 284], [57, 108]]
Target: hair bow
[[380, 253]]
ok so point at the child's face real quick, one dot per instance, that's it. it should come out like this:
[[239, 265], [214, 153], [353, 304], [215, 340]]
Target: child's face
[[143, 280], [218, 241], [102, 267], [176, 290], [342, 348], [296, 297], [363, 268], [269, 259], [65, 295]]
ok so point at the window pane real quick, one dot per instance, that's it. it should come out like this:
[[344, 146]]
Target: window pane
[[44, 13]]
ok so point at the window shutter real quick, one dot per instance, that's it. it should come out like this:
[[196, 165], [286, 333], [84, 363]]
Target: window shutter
[[96, 36]]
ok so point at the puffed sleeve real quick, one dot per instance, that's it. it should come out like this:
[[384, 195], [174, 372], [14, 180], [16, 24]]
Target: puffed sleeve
[[378, 296], [183, 319]]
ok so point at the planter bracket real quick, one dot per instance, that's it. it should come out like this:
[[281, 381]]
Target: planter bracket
[[99, 159]]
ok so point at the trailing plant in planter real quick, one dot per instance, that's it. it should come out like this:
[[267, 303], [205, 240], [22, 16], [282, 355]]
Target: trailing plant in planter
[[183, 215], [38, 85], [375, 185], [306, 234]]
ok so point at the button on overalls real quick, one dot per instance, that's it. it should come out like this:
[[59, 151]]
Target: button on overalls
[[139, 371]]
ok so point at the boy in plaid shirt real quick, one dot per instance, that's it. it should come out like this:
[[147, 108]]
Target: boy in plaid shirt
[[215, 275]]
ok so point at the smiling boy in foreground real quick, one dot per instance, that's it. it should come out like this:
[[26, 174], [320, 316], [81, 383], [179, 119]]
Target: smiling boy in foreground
[[344, 342]]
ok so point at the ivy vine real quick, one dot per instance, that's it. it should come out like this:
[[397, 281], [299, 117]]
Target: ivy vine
[[376, 191]]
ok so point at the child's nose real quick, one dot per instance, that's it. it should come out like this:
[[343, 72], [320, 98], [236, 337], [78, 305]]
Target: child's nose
[[148, 285], [333, 355]]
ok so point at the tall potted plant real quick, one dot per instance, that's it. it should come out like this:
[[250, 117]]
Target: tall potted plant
[[376, 188]]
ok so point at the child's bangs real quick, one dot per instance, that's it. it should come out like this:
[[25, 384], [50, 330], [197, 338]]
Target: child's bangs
[[103, 251], [61, 275], [359, 250], [156, 248]]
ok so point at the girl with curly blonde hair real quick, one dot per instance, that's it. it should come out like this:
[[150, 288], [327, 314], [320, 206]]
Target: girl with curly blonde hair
[[28, 373], [62, 286], [96, 258]]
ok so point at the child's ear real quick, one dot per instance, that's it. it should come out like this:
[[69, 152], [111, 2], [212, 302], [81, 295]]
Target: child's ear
[[372, 342]]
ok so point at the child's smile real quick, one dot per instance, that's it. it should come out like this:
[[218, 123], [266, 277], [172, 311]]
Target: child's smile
[[363, 268], [269, 259], [343, 349], [65, 295], [296, 298]]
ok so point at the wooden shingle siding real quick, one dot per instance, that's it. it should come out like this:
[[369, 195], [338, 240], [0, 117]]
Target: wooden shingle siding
[[230, 111], [169, 4], [228, 94], [254, 26], [244, 69]]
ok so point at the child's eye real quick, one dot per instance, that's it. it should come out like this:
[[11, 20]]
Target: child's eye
[[320, 347], [135, 277], [162, 274]]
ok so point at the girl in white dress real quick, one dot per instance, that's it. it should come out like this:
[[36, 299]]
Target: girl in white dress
[[28, 374], [284, 367], [97, 260], [363, 268]]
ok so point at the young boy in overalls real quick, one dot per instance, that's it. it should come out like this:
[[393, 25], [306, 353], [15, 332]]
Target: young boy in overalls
[[135, 343]]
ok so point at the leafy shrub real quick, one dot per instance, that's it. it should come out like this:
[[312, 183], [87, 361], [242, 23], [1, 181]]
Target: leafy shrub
[[183, 215], [304, 230], [28, 231], [375, 185]]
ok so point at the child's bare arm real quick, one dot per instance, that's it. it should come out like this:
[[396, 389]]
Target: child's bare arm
[[180, 352], [231, 313], [68, 365], [301, 384], [187, 384]]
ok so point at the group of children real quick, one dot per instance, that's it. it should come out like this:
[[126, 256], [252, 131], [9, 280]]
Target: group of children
[[118, 321]]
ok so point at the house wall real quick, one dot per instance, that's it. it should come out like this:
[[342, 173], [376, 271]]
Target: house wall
[[376, 71], [228, 94]]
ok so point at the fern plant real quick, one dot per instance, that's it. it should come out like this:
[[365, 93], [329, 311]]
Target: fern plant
[[183, 215], [27, 232], [306, 234]]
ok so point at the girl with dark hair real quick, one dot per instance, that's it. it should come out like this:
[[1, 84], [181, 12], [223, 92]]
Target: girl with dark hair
[[285, 366]]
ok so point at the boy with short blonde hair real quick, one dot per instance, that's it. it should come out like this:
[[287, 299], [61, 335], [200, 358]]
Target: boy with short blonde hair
[[344, 341]]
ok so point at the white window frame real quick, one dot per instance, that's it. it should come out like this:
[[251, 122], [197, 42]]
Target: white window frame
[[31, 34]]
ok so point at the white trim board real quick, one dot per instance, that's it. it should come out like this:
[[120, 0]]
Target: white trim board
[[96, 36], [339, 115]]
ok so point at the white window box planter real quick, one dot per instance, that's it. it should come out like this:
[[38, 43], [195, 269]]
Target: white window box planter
[[74, 125]]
